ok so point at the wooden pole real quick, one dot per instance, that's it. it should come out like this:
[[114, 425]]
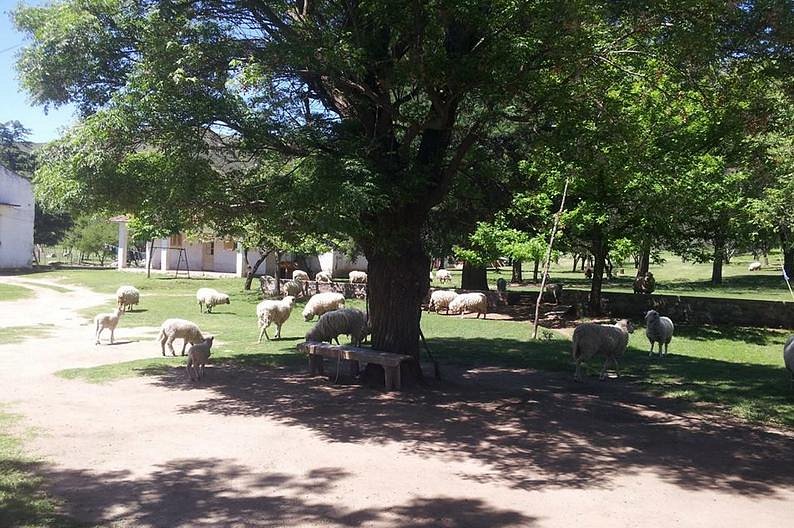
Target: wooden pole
[[547, 261], [788, 283]]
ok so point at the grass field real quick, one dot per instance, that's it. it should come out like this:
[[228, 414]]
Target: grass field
[[11, 292], [674, 277], [736, 369]]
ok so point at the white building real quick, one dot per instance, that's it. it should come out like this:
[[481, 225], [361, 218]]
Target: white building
[[17, 211], [225, 256]]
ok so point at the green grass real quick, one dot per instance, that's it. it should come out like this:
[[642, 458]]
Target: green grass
[[17, 334], [673, 277], [23, 501], [12, 292]]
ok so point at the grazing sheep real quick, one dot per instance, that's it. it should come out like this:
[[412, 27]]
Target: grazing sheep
[[300, 275], [358, 276], [197, 356], [323, 277], [788, 357], [754, 266], [443, 276], [440, 299], [172, 329], [276, 312], [610, 341], [292, 288], [555, 290], [321, 303], [331, 325], [107, 320], [659, 329], [127, 296], [469, 302], [644, 283], [209, 298]]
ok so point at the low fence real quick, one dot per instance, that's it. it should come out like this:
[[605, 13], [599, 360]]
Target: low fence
[[351, 290]]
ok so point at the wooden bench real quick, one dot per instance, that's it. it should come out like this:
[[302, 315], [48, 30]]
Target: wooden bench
[[389, 361]]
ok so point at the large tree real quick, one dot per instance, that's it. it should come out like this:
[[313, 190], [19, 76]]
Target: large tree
[[374, 107]]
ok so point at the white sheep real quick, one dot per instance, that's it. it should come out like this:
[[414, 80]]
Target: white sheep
[[276, 312], [469, 302], [321, 303], [209, 298], [658, 329], [300, 275], [323, 277], [331, 325], [358, 277], [292, 288], [440, 299], [788, 357], [127, 296], [610, 341], [754, 266], [172, 329], [555, 290], [443, 276], [107, 320], [197, 356]]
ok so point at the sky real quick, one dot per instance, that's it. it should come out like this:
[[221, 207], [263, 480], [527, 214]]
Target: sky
[[14, 103]]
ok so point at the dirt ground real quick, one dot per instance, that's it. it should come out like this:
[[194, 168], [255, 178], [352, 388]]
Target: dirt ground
[[275, 447]]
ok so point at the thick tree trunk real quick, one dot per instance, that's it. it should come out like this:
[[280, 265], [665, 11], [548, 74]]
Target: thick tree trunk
[[518, 273], [716, 267], [787, 246], [474, 277], [645, 259], [599, 263], [535, 271], [575, 262], [249, 278]]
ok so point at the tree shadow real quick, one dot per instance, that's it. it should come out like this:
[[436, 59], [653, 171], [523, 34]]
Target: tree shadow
[[754, 336], [220, 492], [533, 430]]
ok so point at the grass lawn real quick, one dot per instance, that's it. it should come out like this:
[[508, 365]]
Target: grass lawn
[[12, 292], [23, 501], [673, 277]]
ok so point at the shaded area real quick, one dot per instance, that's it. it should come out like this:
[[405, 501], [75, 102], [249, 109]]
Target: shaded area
[[534, 431], [219, 492]]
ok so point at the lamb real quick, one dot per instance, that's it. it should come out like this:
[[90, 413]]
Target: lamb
[[292, 288], [172, 329], [470, 302], [659, 329], [107, 320], [209, 298], [321, 303], [443, 276], [788, 357], [276, 312], [322, 277], [347, 321], [440, 299], [127, 296], [555, 290], [300, 275], [197, 356], [610, 341], [754, 266], [358, 276]]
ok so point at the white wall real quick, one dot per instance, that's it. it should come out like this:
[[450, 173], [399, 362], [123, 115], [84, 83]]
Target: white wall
[[16, 223], [225, 259]]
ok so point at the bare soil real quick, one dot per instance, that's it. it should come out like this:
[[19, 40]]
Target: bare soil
[[276, 447]]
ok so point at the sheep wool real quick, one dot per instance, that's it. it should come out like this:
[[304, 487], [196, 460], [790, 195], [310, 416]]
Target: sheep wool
[[358, 277], [470, 302], [658, 329], [440, 299], [127, 296], [321, 303], [209, 298], [788, 357], [610, 341], [172, 329], [275, 312], [292, 288], [300, 275], [197, 356], [347, 321], [107, 320], [322, 277], [754, 266], [443, 276], [555, 290]]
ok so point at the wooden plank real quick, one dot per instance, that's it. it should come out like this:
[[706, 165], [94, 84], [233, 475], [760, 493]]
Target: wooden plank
[[347, 352]]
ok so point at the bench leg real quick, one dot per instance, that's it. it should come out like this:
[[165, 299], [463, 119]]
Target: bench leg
[[389, 377], [315, 364], [397, 378]]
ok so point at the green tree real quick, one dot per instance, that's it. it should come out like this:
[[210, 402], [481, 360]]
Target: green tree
[[92, 235]]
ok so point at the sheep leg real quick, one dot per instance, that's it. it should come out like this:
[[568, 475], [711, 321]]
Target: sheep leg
[[201, 371], [209, 308], [184, 346], [170, 342], [263, 331], [98, 332], [617, 369], [112, 331], [604, 370], [187, 370], [577, 375], [278, 331], [651, 352]]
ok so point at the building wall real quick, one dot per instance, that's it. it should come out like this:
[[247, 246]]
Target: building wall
[[16, 223]]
